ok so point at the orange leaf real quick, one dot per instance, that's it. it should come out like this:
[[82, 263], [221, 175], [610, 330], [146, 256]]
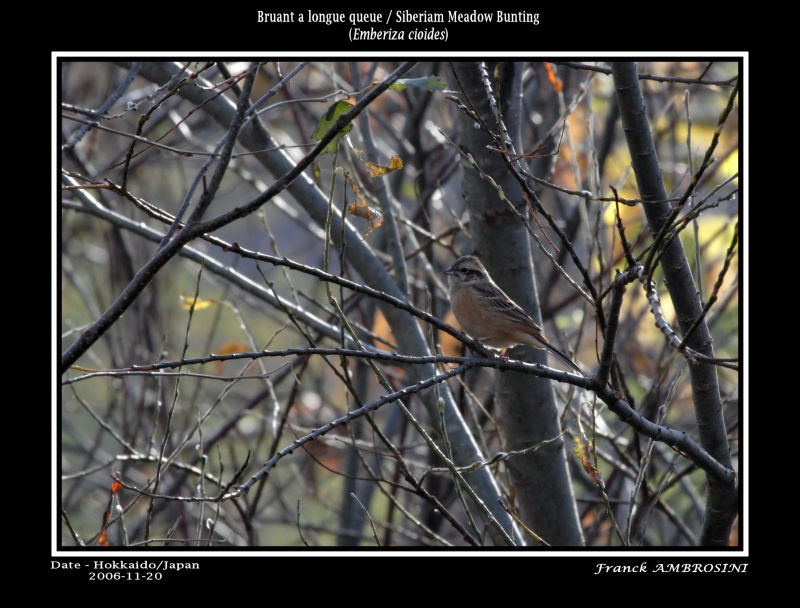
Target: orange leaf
[[116, 486], [226, 349], [231, 347], [551, 76], [450, 345], [382, 330]]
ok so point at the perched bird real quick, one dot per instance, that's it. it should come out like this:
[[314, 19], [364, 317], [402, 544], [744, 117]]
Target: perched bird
[[487, 314]]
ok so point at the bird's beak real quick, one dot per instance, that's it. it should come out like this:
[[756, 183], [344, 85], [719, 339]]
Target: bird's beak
[[448, 271]]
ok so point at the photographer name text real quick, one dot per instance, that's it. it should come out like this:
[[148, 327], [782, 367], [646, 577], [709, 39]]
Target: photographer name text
[[671, 568]]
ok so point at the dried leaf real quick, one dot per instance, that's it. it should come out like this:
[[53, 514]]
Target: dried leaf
[[360, 208], [583, 453], [376, 170]]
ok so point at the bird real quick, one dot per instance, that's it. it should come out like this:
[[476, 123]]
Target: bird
[[487, 314]]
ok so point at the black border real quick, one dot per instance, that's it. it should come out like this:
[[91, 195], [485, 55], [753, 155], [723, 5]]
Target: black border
[[556, 26]]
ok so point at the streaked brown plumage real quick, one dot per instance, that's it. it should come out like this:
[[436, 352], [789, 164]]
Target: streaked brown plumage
[[487, 314]]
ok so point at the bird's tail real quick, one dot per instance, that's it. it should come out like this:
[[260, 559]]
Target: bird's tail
[[563, 357]]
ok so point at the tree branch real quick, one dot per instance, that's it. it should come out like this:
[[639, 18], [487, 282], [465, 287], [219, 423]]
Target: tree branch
[[721, 508]]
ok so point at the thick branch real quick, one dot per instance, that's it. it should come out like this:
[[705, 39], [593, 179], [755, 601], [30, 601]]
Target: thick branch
[[722, 503]]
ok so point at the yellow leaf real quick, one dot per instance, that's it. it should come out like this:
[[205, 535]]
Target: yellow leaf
[[431, 83], [186, 302]]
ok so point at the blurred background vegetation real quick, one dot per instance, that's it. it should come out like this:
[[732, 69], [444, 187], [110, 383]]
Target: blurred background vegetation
[[223, 414]]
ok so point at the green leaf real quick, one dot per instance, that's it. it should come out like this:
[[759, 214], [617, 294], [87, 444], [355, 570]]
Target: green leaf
[[432, 83], [340, 107]]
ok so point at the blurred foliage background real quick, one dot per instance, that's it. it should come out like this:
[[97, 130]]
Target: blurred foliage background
[[225, 415]]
